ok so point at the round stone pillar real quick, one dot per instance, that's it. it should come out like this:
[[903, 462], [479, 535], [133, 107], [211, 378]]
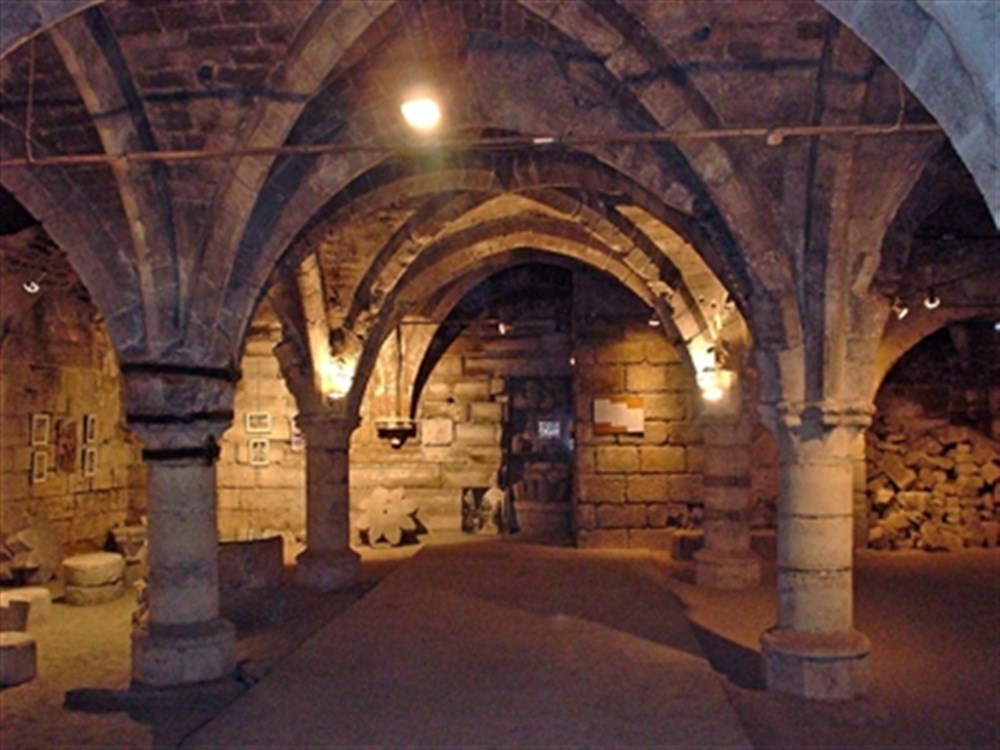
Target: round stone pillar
[[179, 413], [328, 562], [726, 561], [814, 650]]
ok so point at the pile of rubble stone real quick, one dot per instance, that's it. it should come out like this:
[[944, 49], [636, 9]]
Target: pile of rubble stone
[[932, 488]]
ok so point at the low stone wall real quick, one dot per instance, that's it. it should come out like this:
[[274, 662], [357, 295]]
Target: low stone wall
[[931, 486]]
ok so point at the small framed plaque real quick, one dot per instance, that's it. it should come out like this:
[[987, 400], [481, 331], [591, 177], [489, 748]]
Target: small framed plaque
[[258, 422], [259, 448]]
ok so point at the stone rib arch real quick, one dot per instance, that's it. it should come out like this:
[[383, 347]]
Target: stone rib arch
[[302, 185], [900, 338], [91, 56], [92, 250], [488, 254], [332, 29]]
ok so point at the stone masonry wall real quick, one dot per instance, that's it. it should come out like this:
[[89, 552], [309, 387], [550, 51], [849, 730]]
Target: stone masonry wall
[[256, 501], [56, 360], [632, 490], [460, 413]]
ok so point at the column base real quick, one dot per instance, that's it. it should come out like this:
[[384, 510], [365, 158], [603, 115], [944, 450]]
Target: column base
[[821, 666], [170, 655], [722, 569], [327, 571]]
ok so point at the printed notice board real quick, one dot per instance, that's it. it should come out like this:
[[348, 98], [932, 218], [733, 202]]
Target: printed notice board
[[618, 415]]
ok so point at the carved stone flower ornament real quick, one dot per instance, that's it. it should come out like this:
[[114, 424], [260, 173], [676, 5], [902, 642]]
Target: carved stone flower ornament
[[385, 516]]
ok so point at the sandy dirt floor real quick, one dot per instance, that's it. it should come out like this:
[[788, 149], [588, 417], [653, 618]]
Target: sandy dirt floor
[[934, 622]]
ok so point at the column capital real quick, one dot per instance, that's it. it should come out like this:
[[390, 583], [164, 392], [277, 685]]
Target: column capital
[[828, 413], [325, 430], [179, 411]]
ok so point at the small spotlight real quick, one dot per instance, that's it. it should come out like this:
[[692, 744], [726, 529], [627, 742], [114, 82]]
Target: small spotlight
[[654, 322], [503, 328], [422, 114], [899, 308], [932, 301], [572, 359], [31, 287]]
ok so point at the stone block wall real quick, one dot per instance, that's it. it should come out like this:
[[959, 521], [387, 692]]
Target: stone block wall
[[56, 360], [932, 455], [460, 414], [633, 490], [258, 500]]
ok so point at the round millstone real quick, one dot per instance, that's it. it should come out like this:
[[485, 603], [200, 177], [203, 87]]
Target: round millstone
[[94, 569], [83, 596]]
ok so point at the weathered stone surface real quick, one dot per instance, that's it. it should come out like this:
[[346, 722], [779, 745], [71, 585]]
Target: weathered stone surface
[[85, 596], [94, 569], [18, 658], [901, 475], [38, 599]]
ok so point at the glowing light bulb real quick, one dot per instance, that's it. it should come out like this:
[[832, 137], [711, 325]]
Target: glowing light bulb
[[421, 114]]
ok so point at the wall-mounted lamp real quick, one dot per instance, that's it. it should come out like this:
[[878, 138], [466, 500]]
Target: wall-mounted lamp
[[932, 301], [338, 377], [899, 308], [710, 384], [33, 286], [397, 431]]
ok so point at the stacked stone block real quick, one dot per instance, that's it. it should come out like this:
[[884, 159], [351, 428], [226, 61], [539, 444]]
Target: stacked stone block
[[932, 488]]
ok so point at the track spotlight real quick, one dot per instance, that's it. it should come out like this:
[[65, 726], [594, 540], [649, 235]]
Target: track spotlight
[[899, 308], [31, 287], [932, 301]]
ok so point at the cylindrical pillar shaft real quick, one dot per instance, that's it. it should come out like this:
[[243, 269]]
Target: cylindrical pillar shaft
[[813, 650], [182, 542], [328, 562], [726, 561]]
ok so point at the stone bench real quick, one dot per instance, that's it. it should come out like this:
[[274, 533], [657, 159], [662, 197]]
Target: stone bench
[[18, 658], [94, 578]]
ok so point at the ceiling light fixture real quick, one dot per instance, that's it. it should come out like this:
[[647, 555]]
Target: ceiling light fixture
[[932, 301], [899, 308], [422, 113], [31, 287], [654, 322]]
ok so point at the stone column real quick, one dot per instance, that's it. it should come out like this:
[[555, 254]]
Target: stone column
[[814, 650], [726, 561], [180, 413], [861, 505], [328, 563]]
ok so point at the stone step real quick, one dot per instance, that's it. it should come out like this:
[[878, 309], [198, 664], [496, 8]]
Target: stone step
[[94, 569], [18, 658]]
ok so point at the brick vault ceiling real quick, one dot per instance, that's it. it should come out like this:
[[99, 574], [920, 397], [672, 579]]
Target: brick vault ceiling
[[201, 79]]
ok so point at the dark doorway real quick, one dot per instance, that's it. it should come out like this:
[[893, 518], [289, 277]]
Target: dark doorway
[[538, 453]]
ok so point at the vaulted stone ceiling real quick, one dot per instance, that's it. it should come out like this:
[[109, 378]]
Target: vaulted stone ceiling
[[187, 156]]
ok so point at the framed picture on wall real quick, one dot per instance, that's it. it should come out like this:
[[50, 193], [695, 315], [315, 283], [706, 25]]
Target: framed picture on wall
[[258, 422], [41, 428], [88, 462], [89, 428], [39, 466], [259, 449]]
